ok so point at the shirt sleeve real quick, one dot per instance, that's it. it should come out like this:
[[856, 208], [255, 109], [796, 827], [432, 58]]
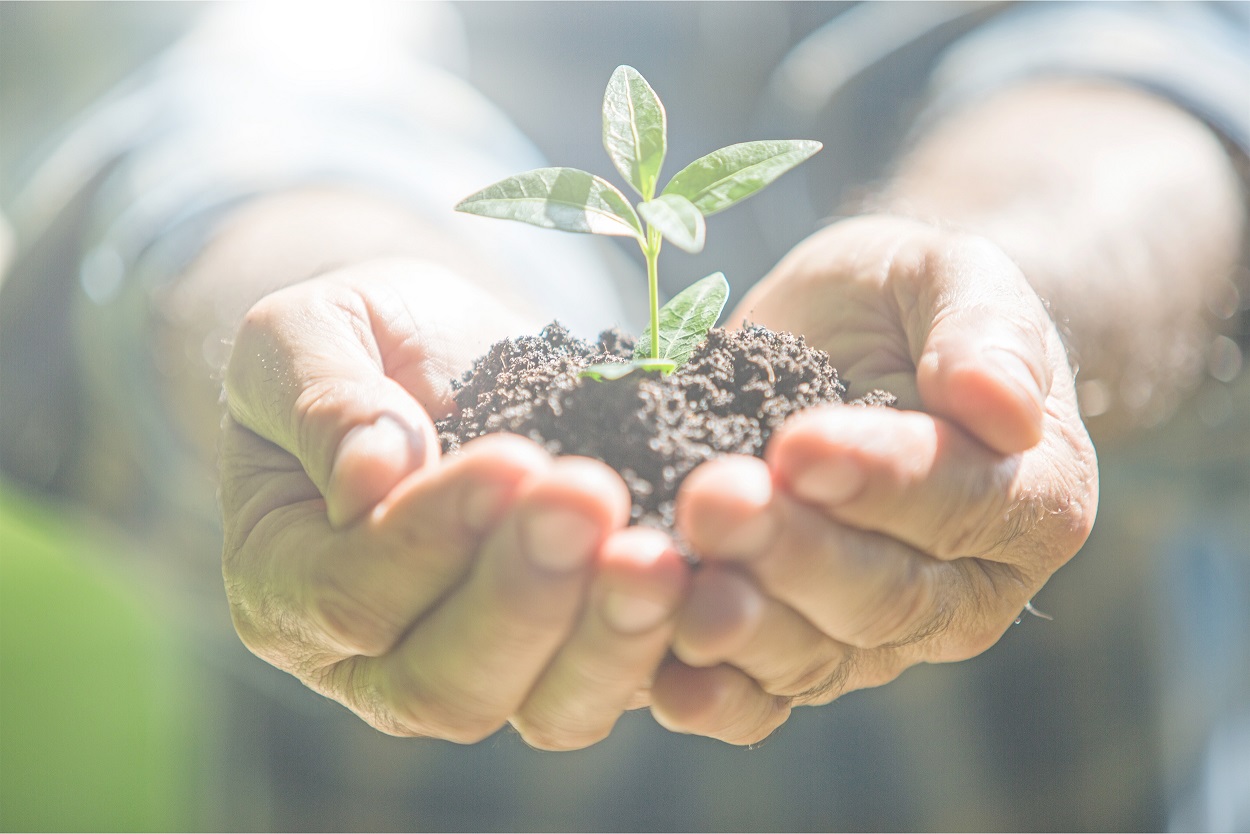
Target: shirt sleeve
[[1196, 55], [255, 99], [258, 99]]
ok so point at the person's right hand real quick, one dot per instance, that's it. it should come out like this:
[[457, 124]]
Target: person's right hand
[[432, 597]]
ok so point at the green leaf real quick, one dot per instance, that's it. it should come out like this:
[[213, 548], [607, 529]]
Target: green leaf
[[685, 321], [607, 371], [634, 129], [720, 179], [677, 220], [558, 198]]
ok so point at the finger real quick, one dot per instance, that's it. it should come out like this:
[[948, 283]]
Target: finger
[[907, 474], [467, 667], [859, 587], [300, 587], [869, 590], [982, 337], [727, 619], [256, 478], [923, 481], [308, 373], [720, 702], [864, 588], [619, 642], [725, 512], [723, 507]]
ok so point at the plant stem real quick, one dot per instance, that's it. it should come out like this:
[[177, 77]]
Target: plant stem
[[652, 253]]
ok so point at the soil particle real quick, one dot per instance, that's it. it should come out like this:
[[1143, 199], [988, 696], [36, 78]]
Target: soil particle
[[737, 388]]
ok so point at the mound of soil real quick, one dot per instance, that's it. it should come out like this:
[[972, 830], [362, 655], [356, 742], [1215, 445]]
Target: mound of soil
[[737, 388]]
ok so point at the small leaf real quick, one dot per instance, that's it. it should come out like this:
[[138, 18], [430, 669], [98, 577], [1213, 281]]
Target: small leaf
[[685, 321], [724, 177], [677, 220], [558, 198], [607, 371], [634, 129]]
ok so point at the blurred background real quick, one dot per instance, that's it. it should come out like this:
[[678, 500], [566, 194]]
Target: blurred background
[[127, 703]]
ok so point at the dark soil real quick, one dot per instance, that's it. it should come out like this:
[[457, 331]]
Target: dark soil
[[737, 388]]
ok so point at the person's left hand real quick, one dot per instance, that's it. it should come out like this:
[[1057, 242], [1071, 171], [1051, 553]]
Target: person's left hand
[[874, 539]]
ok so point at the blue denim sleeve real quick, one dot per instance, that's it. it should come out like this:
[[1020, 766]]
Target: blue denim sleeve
[[1194, 54]]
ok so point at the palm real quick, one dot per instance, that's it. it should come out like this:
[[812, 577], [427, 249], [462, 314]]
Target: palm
[[843, 296]]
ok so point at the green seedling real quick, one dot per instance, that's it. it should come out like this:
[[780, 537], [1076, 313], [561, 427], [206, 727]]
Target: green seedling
[[635, 135]]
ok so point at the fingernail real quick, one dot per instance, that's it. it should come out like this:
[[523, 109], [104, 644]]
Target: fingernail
[[631, 614], [1017, 374], [385, 438], [829, 482], [370, 460], [559, 540]]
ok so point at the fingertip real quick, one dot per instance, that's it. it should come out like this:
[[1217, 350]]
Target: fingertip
[[724, 508], [371, 460], [720, 614], [568, 510], [998, 398], [682, 696], [496, 466], [720, 702], [816, 457], [639, 551], [641, 579], [595, 487]]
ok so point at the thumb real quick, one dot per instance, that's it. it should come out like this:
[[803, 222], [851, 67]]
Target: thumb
[[372, 458], [984, 360], [307, 374]]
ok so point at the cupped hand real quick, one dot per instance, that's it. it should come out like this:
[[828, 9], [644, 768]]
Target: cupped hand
[[873, 539], [433, 597]]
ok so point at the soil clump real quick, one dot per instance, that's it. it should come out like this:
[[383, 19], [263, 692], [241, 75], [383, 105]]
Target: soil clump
[[735, 390]]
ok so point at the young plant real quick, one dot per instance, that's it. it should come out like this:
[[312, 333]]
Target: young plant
[[635, 135]]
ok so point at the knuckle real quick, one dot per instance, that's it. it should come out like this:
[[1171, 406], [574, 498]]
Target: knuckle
[[253, 331], [257, 350], [349, 683], [442, 718], [452, 715], [356, 627]]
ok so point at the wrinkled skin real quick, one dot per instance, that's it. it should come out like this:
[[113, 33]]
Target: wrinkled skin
[[872, 540], [868, 541], [432, 598], [447, 598]]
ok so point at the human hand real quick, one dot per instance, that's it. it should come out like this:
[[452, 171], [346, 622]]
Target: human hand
[[432, 597], [874, 539]]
